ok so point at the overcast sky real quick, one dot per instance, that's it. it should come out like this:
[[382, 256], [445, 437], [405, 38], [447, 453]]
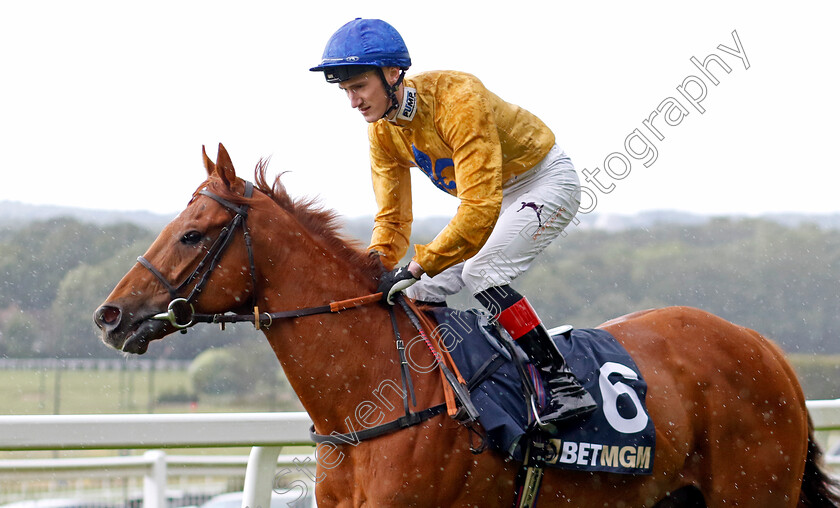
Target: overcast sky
[[106, 104]]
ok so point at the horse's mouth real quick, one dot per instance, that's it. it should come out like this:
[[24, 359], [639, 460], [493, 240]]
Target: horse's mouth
[[136, 341]]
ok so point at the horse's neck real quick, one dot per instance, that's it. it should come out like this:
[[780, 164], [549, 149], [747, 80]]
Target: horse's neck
[[340, 365]]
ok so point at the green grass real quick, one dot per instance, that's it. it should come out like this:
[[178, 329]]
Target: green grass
[[33, 392], [107, 392], [136, 391]]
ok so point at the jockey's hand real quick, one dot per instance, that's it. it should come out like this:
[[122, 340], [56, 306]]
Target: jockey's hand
[[395, 281]]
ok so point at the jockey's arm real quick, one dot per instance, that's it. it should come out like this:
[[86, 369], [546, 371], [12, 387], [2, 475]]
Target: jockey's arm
[[391, 180], [469, 128]]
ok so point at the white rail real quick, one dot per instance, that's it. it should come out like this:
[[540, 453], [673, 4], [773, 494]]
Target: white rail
[[145, 431], [825, 414], [267, 433]]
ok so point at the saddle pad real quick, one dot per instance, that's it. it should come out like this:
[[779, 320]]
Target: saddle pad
[[618, 437]]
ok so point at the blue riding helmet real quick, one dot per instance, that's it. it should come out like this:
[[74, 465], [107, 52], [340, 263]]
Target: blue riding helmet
[[362, 45]]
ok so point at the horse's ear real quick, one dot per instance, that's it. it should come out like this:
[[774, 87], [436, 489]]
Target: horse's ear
[[208, 164], [224, 166]]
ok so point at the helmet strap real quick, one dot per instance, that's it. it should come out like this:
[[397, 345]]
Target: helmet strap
[[391, 90]]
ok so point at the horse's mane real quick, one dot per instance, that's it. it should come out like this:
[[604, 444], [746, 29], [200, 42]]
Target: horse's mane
[[320, 222]]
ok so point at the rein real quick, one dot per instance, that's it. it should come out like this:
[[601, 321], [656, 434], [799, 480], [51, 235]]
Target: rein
[[265, 319]]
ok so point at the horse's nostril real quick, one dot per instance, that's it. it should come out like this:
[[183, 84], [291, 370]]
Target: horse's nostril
[[107, 316]]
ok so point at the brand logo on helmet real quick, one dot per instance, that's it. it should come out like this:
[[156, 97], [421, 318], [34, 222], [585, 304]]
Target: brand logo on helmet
[[352, 59]]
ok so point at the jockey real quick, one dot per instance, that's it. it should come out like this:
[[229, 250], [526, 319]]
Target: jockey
[[517, 189]]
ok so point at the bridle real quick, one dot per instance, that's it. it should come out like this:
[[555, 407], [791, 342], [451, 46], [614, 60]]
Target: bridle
[[181, 315], [180, 312]]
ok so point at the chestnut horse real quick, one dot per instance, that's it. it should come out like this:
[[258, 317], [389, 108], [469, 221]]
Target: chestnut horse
[[731, 424]]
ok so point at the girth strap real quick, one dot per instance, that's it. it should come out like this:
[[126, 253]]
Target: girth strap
[[411, 419], [380, 430]]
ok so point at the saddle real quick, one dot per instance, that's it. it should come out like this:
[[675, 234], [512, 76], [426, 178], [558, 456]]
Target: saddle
[[505, 391], [618, 437]]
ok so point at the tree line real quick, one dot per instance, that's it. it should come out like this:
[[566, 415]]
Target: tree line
[[779, 280]]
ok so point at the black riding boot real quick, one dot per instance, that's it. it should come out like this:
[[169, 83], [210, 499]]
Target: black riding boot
[[567, 399]]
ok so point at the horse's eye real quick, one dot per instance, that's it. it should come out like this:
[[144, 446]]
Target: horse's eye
[[191, 238]]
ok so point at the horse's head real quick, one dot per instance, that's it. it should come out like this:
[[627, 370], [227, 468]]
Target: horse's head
[[204, 246]]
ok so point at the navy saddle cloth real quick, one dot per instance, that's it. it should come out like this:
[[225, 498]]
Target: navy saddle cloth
[[618, 437]]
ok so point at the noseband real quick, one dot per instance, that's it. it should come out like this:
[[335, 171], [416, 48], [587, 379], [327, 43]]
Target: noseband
[[180, 312]]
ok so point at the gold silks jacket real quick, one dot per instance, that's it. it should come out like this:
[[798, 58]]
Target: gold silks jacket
[[469, 142]]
